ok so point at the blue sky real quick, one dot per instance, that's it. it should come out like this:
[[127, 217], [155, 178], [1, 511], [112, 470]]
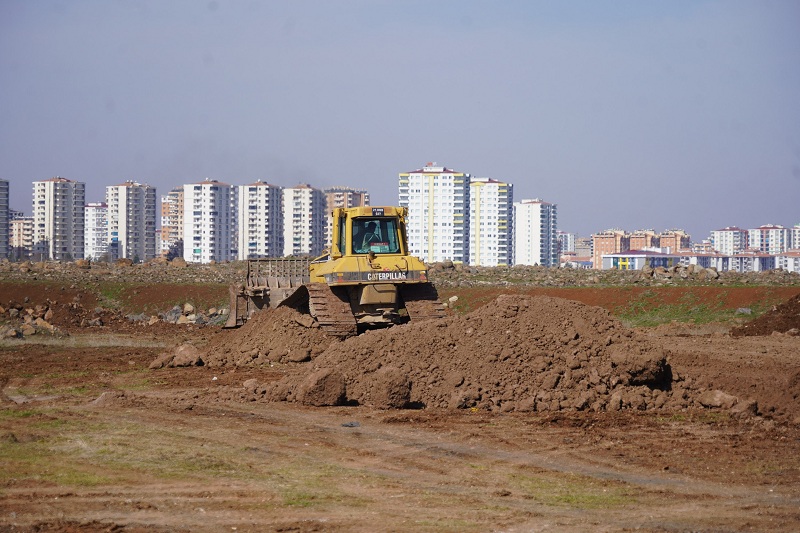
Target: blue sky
[[625, 114]]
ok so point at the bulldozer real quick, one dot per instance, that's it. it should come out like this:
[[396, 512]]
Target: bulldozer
[[366, 279]]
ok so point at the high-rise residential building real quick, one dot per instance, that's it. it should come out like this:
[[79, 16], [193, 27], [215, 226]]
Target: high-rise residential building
[[672, 241], [611, 241], [5, 216], [337, 197], [730, 240], [58, 219], [209, 222], [644, 239], [304, 221], [491, 222], [131, 221], [770, 238], [260, 226], [566, 242], [20, 236], [438, 205], [171, 235], [536, 233], [796, 237], [96, 232]]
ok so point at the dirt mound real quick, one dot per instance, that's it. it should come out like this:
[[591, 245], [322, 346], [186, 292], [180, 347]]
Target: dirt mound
[[271, 336], [516, 353], [782, 318]]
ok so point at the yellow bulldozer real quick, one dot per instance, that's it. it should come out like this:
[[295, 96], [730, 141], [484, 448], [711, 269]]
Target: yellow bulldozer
[[366, 279]]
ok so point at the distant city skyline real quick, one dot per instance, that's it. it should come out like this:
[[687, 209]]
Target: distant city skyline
[[92, 197], [626, 114]]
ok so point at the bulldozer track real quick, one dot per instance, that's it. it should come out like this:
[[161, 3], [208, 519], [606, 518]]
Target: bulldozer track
[[422, 301], [332, 312]]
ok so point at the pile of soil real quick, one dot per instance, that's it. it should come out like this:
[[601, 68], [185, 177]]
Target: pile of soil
[[270, 336], [782, 318], [517, 353]]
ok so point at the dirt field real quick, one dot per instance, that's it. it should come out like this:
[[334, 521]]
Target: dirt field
[[681, 427]]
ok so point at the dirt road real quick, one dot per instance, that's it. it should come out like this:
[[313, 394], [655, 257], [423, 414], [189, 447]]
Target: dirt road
[[93, 440]]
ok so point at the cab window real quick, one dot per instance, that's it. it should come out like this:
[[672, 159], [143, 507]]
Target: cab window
[[378, 235]]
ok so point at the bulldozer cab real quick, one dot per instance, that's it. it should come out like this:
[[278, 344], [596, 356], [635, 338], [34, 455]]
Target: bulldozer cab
[[377, 235], [363, 230]]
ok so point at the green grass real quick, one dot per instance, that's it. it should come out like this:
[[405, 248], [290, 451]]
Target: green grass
[[574, 491], [648, 311]]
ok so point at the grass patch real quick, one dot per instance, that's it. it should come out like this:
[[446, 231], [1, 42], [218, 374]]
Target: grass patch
[[647, 311], [577, 492]]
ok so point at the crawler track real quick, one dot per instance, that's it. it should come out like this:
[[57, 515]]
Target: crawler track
[[422, 301], [331, 311]]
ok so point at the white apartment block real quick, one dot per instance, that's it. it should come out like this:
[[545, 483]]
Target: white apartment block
[[796, 237], [96, 232], [58, 219], [535, 233], [438, 202], [171, 235], [566, 242], [5, 216], [131, 221], [20, 236], [490, 222], [209, 222], [304, 221], [260, 226], [730, 240], [341, 197], [770, 238]]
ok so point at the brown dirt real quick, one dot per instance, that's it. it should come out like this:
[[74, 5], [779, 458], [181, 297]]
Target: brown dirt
[[782, 318], [512, 426]]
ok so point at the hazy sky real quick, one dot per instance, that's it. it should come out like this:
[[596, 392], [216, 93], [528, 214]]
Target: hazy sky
[[640, 114]]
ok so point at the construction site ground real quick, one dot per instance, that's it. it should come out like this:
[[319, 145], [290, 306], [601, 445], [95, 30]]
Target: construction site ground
[[94, 439]]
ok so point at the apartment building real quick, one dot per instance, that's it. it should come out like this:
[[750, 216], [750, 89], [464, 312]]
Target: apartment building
[[491, 222], [20, 236], [96, 232], [438, 202], [729, 240], [536, 233], [5, 216], [131, 221], [673, 240], [171, 234], [58, 219], [770, 238], [611, 241], [209, 222], [341, 197], [304, 221], [796, 237], [644, 239], [566, 242], [260, 225]]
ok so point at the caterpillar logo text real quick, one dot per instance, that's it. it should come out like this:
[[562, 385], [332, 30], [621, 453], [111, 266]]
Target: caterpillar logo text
[[386, 276]]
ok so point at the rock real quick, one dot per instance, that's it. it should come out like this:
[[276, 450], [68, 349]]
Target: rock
[[187, 355], [299, 355], [178, 262], [718, 399], [188, 309], [391, 388], [251, 385], [307, 321], [325, 387]]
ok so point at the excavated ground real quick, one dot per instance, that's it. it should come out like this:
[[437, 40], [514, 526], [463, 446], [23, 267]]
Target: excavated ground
[[529, 413]]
